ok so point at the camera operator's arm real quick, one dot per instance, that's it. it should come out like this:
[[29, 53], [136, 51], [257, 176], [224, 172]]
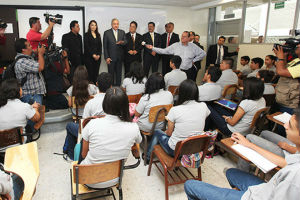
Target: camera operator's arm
[[41, 61], [66, 62], [281, 70], [47, 32]]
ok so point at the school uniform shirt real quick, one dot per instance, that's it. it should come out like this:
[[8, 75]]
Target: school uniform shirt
[[175, 77], [94, 106], [269, 89], [246, 70], [253, 73], [134, 88], [285, 184], [189, 119], [273, 68], [161, 97], [250, 107], [15, 114], [228, 77], [209, 92]]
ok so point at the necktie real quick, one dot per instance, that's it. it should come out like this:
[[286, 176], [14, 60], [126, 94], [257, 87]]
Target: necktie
[[152, 37], [219, 56], [116, 35], [133, 42], [168, 43]]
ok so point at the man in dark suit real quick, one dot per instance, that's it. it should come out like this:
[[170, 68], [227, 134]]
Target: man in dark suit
[[133, 48], [150, 57], [73, 42], [113, 43], [217, 52], [168, 38], [198, 63]]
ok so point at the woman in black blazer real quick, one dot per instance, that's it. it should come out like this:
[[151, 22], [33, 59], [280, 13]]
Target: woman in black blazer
[[92, 51]]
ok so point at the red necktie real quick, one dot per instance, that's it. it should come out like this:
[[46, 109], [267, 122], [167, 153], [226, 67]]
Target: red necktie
[[168, 43]]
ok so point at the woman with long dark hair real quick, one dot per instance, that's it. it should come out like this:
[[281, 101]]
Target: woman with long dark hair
[[270, 63], [92, 51], [185, 119]]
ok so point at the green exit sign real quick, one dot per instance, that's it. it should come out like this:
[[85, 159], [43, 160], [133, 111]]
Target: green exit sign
[[279, 5]]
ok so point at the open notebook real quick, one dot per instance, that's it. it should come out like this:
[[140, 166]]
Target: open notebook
[[262, 163], [284, 117]]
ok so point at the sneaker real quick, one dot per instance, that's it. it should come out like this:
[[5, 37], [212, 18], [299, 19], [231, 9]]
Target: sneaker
[[67, 158]]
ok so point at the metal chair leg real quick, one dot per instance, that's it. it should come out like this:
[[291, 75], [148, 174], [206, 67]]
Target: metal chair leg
[[145, 149], [166, 184], [150, 164], [120, 194]]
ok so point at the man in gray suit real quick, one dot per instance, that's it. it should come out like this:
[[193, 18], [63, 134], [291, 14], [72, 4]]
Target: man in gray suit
[[113, 42]]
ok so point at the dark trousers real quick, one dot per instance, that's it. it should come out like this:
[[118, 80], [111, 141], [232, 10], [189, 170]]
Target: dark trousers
[[191, 73], [57, 101], [93, 67], [149, 61], [115, 69], [127, 64], [166, 64]]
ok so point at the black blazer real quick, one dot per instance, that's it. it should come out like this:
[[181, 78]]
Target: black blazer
[[92, 45], [157, 42], [129, 46], [164, 38], [199, 45], [111, 49], [212, 54], [74, 45]]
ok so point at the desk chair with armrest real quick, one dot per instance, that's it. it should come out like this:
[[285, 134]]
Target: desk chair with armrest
[[229, 90], [173, 89], [76, 107], [134, 98]]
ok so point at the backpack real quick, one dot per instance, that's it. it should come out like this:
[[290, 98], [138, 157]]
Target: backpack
[[10, 73]]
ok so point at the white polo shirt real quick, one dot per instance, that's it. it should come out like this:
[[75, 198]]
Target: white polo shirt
[[94, 106], [269, 89], [189, 118], [246, 70], [174, 77], [161, 97], [209, 92], [253, 73], [228, 77], [134, 88]]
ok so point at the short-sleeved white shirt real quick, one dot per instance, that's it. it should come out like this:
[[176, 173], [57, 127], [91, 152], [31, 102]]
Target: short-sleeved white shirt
[[134, 88], [253, 73], [189, 118], [250, 107], [94, 106], [161, 97], [209, 92], [273, 68], [269, 89], [174, 77], [110, 139], [15, 114], [246, 70], [228, 77]]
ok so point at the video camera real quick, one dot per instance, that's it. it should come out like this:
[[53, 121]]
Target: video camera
[[290, 43], [2, 24], [57, 19], [53, 54]]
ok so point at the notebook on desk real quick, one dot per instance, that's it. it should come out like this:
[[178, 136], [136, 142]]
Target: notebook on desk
[[226, 103], [284, 117]]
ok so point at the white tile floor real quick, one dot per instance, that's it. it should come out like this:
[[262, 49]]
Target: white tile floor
[[54, 180]]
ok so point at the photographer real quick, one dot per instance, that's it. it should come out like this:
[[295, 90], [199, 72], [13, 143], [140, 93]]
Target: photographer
[[34, 36]]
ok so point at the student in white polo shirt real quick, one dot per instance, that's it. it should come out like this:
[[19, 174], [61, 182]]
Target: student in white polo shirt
[[210, 90], [266, 76], [184, 120], [176, 76], [255, 65], [228, 76], [155, 94], [135, 80]]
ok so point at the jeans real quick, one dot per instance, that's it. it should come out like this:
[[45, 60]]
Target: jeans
[[18, 186], [236, 178], [162, 138], [31, 98], [71, 139]]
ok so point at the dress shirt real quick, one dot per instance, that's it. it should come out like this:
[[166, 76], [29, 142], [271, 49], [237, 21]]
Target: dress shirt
[[133, 35], [152, 37], [168, 37], [189, 53], [116, 34], [222, 53]]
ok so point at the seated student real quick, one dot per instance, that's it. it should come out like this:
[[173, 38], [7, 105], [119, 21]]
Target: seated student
[[176, 76], [283, 185], [255, 65], [92, 108], [184, 120], [267, 76], [11, 186], [270, 63], [245, 70], [228, 122], [81, 89], [134, 82], [14, 113], [154, 95], [210, 91], [228, 76], [110, 138]]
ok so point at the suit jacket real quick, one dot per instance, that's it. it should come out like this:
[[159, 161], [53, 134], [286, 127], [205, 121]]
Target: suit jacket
[[74, 45], [198, 63], [157, 43], [92, 45], [111, 49], [164, 38], [212, 54], [129, 46]]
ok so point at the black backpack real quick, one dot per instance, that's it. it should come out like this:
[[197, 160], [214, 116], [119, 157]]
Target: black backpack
[[10, 73]]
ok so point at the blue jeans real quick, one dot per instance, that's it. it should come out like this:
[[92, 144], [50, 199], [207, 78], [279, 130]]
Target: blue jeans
[[71, 139], [236, 178], [18, 186], [162, 138], [31, 98]]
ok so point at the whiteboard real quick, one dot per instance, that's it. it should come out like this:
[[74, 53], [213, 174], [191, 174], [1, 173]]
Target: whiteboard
[[23, 16], [104, 15]]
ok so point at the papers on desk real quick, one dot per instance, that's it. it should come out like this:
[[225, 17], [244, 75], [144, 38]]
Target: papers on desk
[[261, 162], [284, 117]]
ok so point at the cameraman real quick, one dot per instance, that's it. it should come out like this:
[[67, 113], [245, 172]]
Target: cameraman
[[34, 36]]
